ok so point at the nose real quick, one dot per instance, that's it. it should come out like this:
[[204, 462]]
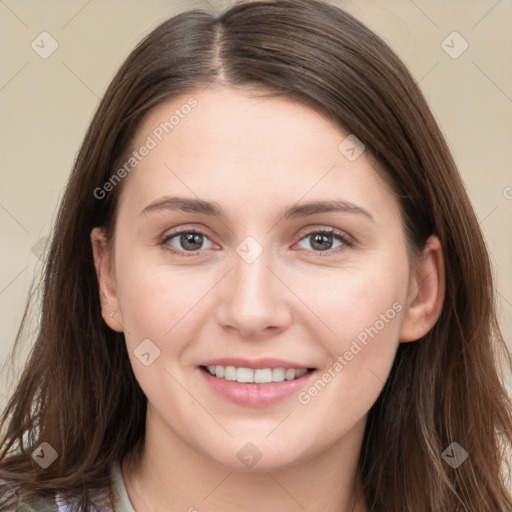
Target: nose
[[253, 299]]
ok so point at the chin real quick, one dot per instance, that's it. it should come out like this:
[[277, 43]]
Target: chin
[[258, 456]]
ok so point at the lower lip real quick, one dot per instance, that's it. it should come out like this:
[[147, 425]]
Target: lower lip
[[255, 395]]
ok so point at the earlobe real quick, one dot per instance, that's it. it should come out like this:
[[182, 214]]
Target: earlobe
[[426, 293], [106, 283]]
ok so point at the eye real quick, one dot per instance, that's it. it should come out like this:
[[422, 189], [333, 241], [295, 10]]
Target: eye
[[321, 241], [191, 242], [189, 239]]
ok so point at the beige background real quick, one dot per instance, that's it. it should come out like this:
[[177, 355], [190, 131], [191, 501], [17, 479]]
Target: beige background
[[46, 104]]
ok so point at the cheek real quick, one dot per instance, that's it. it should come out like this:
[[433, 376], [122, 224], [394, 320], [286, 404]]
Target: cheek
[[160, 302], [353, 299], [365, 313], [157, 305], [367, 308], [152, 302]]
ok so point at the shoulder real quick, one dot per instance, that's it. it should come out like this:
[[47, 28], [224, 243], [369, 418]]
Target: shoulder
[[39, 505], [10, 501], [16, 504]]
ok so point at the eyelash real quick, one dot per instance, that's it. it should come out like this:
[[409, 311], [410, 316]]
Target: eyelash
[[346, 242]]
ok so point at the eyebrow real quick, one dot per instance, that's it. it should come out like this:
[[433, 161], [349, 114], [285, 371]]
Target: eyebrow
[[213, 209]]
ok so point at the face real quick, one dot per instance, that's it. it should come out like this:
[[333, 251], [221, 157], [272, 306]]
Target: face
[[328, 290]]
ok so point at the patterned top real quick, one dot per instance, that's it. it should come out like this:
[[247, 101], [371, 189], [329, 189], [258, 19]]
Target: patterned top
[[120, 497]]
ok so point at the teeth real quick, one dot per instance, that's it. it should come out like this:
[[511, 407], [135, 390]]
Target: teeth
[[244, 375], [263, 375], [259, 376], [230, 373], [277, 374], [289, 374]]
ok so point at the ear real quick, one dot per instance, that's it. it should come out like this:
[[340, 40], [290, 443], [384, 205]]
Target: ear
[[426, 292], [106, 283]]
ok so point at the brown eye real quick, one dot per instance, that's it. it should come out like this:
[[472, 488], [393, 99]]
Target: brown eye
[[323, 240], [187, 240]]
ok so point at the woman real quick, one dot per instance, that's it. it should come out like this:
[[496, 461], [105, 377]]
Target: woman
[[201, 346]]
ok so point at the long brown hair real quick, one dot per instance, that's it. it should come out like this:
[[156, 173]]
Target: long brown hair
[[78, 392]]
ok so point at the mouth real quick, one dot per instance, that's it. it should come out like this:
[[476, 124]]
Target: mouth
[[256, 387], [246, 375]]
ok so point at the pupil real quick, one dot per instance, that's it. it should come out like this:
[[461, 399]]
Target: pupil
[[321, 237], [190, 238]]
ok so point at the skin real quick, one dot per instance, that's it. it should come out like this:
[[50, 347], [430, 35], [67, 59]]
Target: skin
[[256, 156]]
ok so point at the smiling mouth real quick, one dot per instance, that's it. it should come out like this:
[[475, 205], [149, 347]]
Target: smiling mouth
[[258, 376]]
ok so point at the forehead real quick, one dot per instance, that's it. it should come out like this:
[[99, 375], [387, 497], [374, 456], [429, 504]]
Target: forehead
[[235, 144], [241, 118]]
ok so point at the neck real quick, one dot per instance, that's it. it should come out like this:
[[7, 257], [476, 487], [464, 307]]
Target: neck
[[167, 470]]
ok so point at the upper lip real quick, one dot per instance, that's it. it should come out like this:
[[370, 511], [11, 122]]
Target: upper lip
[[265, 362]]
